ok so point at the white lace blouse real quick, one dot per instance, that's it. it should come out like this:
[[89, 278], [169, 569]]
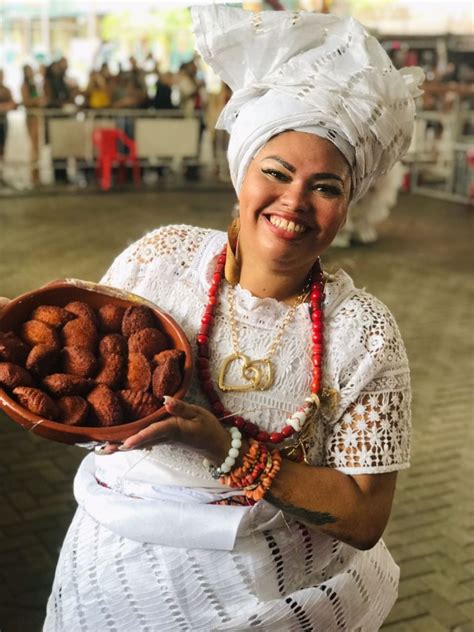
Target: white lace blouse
[[364, 361]]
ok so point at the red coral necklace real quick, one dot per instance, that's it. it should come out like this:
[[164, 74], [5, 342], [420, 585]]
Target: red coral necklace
[[296, 423]]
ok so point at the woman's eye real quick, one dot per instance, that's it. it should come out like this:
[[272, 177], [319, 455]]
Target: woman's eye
[[278, 175], [330, 190]]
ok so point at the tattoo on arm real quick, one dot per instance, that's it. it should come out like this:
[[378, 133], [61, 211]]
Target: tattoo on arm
[[316, 518]]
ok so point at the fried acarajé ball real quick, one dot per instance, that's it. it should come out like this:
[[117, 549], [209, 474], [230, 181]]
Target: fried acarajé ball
[[80, 332], [78, 361], [73, 410], [138, 372], [137, 317], [149, 341], [12, 348], [35, 332], [106, 406], [112, 369], [43, 360], [113, 343], [60, 384], [12, 375], [52, 315], [110, 318], [36, 401], [138, 404], [82, 310], [167, 375]]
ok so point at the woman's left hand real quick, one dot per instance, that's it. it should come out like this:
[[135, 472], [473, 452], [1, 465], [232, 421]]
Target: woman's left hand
[[192, 426]]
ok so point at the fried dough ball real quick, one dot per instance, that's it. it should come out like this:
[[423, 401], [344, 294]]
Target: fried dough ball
[[43, 360], [113, 343], [173, 355], [138, 404], [73, 410], [138, 372], [110, 318], [52, 315], [78, 361], [137, 317], [12, 348], [36, 401], [149, 341], [60, 384], [35, 332], [12, 375], [106, 406], [82, 310], [111, 370], [80, 332], [167, 375]]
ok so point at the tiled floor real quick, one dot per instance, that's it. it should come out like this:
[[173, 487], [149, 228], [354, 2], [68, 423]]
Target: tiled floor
[[421, 267]]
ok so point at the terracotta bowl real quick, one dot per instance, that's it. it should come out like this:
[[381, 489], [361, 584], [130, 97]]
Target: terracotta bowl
[[60, 293]]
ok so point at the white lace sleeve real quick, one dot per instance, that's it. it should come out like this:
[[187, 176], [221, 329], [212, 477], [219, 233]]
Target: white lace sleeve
[[370, 432], [171, 247]]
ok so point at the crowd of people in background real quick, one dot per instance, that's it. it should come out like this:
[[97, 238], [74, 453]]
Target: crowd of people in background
[[49, 86], [137, 86]]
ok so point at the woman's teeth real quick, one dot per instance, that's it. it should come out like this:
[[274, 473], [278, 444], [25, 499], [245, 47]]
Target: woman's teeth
[[285, 225]]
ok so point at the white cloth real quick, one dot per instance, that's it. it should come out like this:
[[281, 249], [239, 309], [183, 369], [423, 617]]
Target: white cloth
[[124, 557], [292, 70]]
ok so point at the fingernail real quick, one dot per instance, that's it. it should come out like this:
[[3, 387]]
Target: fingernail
[[123, 448], [168, 400]]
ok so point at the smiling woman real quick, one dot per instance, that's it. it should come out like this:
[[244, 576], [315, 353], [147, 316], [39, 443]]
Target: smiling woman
[[293, 200], [261, 500]]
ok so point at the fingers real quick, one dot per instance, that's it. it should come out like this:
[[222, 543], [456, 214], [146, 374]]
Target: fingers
[[178, 408], [155, 433], [3, 302]]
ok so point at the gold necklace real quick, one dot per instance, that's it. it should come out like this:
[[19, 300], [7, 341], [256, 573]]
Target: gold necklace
[[257, 375]]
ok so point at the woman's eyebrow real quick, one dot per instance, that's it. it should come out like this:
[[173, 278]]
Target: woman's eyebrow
[[282, 162], [317, 176]]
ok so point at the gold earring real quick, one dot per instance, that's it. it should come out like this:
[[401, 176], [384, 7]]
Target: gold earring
[[232, 262]]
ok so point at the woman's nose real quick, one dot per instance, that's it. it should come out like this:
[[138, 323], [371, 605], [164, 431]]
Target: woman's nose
[[295, 197]]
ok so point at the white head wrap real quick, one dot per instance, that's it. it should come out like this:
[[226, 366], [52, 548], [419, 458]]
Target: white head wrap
[[308, 72]]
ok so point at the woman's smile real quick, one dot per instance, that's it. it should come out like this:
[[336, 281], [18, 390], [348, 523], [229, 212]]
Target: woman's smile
[[287, 227]]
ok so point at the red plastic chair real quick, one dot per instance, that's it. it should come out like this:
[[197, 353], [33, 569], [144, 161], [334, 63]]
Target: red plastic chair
[[108, 155]]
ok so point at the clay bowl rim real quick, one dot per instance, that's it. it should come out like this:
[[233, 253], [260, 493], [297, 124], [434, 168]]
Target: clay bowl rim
[[80, 290]]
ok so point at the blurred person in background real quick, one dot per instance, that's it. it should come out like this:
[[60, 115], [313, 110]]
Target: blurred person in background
[[97, 93], [32, 98], [190, 88], [216, 102], [6, 105], [56, 88], [137, 83], [105, 71], [162, 99], [193, 101], [364, 216]]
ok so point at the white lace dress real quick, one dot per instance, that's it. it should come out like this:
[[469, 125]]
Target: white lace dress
[[149, 553]]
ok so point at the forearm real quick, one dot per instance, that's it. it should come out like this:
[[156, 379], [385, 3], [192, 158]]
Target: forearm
[[334, 502]]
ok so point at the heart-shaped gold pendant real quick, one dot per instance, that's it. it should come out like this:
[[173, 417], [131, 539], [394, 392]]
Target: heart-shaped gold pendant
[[257, 374]]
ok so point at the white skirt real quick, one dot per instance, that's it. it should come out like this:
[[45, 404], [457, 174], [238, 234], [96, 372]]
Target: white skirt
[[281, 579]]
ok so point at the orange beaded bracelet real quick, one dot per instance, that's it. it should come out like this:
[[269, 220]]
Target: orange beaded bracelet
[[255, 476]]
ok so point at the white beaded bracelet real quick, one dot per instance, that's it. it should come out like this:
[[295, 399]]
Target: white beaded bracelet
[[229, 461]]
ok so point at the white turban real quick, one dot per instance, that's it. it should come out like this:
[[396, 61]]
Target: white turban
[[309, 72]]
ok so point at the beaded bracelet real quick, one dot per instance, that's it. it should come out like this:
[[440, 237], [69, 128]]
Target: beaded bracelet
[[255, 476], [229, 462]]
